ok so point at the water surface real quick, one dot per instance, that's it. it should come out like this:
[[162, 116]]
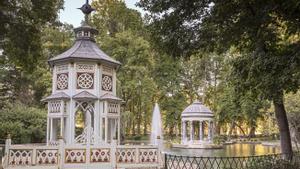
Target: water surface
[[233, 150]]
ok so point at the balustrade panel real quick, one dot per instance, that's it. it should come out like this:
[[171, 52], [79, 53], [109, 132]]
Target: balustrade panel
[[99, 155], [75, 155], [47, 157], [20, 157]]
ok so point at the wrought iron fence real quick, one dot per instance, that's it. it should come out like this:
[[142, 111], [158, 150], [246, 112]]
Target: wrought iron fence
[[274, 161]]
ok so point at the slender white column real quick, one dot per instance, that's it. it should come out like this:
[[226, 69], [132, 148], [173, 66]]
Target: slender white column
[[51, 129], [62, 127], [106, 128], [72, 121], [119, 130], [200, 131], [101, 129], [191, 131], [47, 137], [97, 122], [183, 132]]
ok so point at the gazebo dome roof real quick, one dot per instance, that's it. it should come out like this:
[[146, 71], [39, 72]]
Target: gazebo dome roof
[[197, 110]]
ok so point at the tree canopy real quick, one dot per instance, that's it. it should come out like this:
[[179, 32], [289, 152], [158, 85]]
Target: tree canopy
[[236, 57]]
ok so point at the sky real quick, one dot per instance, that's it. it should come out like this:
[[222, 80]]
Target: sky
[[74, 16]]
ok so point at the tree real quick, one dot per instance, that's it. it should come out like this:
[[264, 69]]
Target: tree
[[112, 16], [136, 85], [25, 124], [292, 106], [263, 32], [21, 26]]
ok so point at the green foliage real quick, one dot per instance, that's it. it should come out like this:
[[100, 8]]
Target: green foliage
[[264, 34], [219, 139], [112, 16], [25, 124], [21, 26], [269, 162]]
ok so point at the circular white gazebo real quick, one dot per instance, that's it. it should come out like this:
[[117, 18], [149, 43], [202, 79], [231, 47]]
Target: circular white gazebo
[[197, 116]]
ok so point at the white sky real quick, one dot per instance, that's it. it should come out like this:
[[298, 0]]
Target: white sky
[[74, 16]]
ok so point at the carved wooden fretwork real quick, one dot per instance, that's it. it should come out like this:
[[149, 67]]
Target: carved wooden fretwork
[[20, 157], [85, 67], [107, 70], [107, 83], [62, 81], [87, 136], [47, 156], [100, 155], [85, 80], [148, 155], [75, 156], [113, 108], [126, 155], [62, 68], [54, 106]]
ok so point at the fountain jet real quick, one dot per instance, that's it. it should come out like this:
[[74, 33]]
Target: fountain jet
[[156, 128]]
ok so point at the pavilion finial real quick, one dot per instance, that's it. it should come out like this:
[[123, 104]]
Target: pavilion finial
[[86, 10]]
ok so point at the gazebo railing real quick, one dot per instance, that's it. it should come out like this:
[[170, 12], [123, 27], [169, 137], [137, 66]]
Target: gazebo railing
[[280, 161]]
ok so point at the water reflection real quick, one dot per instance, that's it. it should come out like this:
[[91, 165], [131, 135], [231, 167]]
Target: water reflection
[[228, 151]]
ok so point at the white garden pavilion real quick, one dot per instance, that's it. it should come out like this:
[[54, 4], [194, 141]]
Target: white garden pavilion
[[198, 115]]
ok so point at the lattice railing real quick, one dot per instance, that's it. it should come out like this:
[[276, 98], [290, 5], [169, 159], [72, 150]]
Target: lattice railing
[[290, 161]]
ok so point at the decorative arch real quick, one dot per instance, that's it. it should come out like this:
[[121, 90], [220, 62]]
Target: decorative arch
[[84, 119]]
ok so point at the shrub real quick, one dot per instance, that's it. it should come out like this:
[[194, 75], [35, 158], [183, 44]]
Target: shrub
[[24, 124], [269, 163], [219, 139]]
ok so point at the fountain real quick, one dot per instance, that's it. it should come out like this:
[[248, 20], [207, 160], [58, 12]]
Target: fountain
[[156, 128]]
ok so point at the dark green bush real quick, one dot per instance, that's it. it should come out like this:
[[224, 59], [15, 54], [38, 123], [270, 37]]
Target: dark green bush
[[24, 124]]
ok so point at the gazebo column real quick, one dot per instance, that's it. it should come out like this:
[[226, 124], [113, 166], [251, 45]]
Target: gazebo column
[[48, 132], [183, 132], [62, 127], [191, 131], [51, 129], [106, 130], [200, 130]]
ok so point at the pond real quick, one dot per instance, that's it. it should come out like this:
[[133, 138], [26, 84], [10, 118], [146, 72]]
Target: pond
[[233, 150]]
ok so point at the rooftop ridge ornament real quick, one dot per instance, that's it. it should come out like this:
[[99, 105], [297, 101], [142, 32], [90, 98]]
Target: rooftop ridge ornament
[[86, 10]]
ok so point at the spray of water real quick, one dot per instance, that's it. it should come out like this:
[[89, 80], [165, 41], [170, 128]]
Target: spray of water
[[156, 128]]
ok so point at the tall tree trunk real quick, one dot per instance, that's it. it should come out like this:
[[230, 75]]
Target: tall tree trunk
[[240, 127], [133, 128], [252, 132], [232, 125], [285, 137], [218, 129]]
